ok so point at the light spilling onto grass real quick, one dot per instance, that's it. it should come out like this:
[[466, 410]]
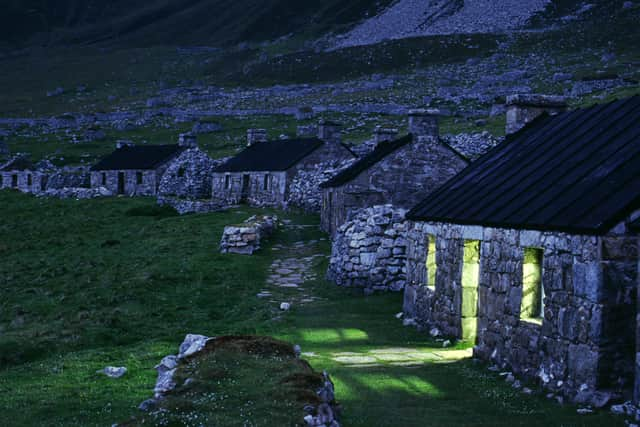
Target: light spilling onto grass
[[333, 335], [400, 356], [409, 384]]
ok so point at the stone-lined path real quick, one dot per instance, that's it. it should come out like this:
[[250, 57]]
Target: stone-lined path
[[292, 269]]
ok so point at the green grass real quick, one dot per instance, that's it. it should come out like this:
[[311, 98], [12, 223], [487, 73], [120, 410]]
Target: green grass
[[86, 284]]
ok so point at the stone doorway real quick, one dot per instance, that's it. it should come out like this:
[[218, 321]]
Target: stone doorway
[[120, 182], [470, 282], [244, 195]]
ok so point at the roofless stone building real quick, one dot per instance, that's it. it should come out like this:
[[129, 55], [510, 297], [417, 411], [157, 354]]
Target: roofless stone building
[[261, 174], [398, 172], [21, 174], [531, 252]]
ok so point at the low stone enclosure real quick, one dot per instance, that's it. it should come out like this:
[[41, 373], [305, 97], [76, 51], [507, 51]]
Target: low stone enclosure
[[189, 373], [369, 250], [245, 238]]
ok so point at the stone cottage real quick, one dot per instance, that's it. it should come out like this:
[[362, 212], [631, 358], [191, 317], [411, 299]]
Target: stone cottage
[[529, 252], [396, 172], [134, 170], [261, 174], [20, 174]]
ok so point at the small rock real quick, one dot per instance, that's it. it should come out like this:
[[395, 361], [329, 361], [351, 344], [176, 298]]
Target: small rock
[[446, 343], [297, 350], [510, 378], [192, 344], [527, 390], [434, 332], [627, 5], [409, 322], [113, 372], [399, 315], [584, 411], [148, 405], [285, 306]]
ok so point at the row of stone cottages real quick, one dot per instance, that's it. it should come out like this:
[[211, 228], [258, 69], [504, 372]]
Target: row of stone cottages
[[531, 252], [266, 173]]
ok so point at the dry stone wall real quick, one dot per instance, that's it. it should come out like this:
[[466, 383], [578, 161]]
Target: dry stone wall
[[245, 238], [369, 250], [305, 191]]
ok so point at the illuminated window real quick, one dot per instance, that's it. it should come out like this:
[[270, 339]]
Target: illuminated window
[[532, 306], [470, 281], [431, 261]]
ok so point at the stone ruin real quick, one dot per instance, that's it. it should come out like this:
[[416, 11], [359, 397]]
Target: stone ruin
[[369, 250], [186, 184], [245, 238], [305, 192]]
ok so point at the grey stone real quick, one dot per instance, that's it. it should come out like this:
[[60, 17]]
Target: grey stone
[[113, 371]]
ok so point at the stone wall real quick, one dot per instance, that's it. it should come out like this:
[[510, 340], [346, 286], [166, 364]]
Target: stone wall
[[263, 189], [188, 176], [369, 250], [245, 238], [69, 177], [25, 181], [403, 179], [305, 191], [132, 187], [272, 188], [582, 343]]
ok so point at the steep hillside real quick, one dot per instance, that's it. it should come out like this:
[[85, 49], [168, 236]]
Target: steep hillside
[[413, 18], [143, 23]]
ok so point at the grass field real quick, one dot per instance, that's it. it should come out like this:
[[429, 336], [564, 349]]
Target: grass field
[[86, 284]]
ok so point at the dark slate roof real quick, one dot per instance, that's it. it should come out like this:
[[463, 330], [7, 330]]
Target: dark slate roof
[[382, 150], [138, 157], [278, 155], [18, 164], [577, 172]]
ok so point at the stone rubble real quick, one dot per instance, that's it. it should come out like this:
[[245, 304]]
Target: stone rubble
[[245, 238], [413, 18]]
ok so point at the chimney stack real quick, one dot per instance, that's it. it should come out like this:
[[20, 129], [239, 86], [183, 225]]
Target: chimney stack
[[121, 143], [522, 109], [424, 122], [188, 140], [384, 134], [306, 131], [329, 131], [255, 136]]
